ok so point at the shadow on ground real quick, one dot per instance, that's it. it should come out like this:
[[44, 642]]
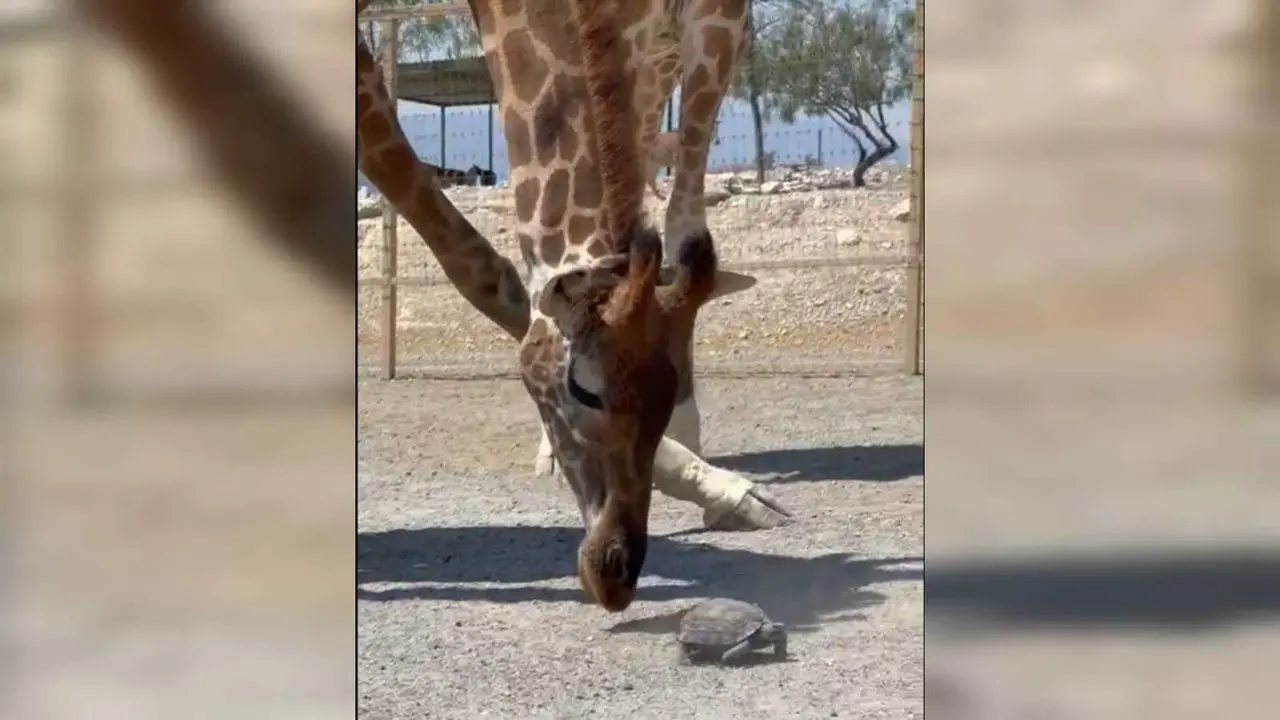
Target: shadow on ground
[[876, 463], [500, 564], [1156, 591]]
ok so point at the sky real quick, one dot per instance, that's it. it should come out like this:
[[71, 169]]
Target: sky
[[467, 140]]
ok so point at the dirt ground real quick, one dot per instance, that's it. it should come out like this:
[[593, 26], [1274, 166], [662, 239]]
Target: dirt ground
[[467, 601]]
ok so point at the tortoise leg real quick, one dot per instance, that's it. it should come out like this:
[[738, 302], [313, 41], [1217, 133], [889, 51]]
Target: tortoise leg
[[684, 655], [737, 653], [780, 647]]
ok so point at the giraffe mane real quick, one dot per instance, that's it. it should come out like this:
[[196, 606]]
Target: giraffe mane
[[609, 99]]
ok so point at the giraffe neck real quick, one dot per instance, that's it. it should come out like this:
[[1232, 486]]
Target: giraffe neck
[[541, 89], [486, 279]]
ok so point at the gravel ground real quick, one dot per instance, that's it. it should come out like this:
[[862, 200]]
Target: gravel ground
[[467, 601], [829, 315]]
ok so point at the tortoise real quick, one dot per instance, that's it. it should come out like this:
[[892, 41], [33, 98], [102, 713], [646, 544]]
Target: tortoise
[[727, 631]]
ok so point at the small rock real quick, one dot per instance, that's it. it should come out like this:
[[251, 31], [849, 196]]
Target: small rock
[[712, 198], [902, 211], [847, 236]]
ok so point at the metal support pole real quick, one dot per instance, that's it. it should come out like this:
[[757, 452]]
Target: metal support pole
[[442, 146], [390, 243]]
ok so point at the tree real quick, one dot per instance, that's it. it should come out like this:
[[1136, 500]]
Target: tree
[[844, 59], [748, 86], [420, 40]]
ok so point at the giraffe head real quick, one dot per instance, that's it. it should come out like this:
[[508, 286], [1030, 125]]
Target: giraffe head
[[598, 368]]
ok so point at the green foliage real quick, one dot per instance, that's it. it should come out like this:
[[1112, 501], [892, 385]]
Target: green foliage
[[437, 39], [845, 59]]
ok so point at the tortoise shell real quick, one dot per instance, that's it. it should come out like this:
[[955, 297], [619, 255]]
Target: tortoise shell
[[720, 622]]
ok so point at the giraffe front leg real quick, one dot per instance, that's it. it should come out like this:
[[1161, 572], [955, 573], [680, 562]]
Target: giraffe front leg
[[728, 500]]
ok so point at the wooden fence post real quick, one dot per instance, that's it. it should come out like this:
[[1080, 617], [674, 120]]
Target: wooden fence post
[[912, 330], [390, 243]]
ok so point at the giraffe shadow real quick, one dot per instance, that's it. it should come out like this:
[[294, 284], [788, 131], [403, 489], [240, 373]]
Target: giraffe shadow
[[873, 463], [518, 564]]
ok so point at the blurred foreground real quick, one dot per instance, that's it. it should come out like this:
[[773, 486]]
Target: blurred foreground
[[1101, 324], [184, 447]]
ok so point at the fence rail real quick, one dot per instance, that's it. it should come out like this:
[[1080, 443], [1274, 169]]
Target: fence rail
[[799, 263], [389, 279]]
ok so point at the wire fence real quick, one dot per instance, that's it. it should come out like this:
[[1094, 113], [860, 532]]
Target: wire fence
[[832, 259]]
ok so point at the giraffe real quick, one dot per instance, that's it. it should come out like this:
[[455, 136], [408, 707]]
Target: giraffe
[[699, 42], [559, 195]]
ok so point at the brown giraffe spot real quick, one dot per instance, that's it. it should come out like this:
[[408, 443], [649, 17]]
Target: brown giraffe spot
[[553, 248], [587, 190], [526, 199], [398, 161], [374, 129], [519, 144], [364, 103], [580, 228], [511, 8], [634, 11], [552, 32], [555, 198], [703, 105], [720, 42], [549, 126], [596, 248], [569, 146], [526, 249], [696, 81], [570, 108], [428, 203], [528, 71], [692, 135]]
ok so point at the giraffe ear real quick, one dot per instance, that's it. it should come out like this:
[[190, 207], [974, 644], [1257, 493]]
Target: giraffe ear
[[568, 287], [728, 283], [561, 292]]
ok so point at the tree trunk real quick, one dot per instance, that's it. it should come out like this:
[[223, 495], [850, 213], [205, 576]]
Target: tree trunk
[[753, 93], [757, 124], [860, 170], [866, 161]]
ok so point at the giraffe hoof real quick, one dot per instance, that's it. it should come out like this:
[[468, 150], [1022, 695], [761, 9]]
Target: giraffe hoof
[[757, 510]]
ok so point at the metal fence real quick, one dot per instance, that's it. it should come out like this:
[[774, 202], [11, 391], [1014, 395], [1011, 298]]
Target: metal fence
[[805, 223]]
